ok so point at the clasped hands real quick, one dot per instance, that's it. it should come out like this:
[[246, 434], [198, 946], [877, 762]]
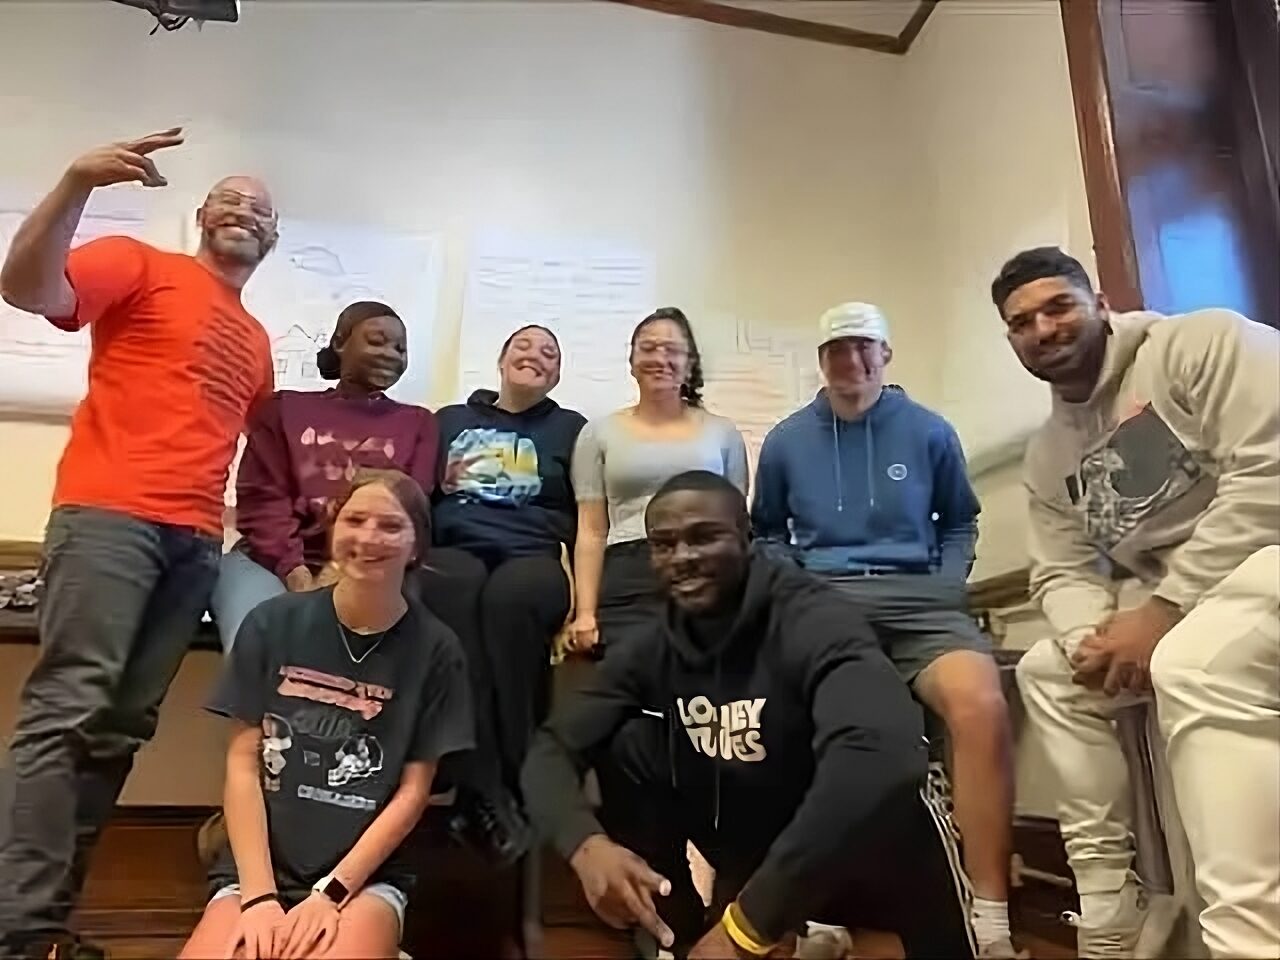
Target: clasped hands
[[1116, 656], [267, 930]]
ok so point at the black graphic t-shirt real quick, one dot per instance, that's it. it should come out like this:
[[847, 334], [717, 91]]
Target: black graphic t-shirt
[[340, 719]]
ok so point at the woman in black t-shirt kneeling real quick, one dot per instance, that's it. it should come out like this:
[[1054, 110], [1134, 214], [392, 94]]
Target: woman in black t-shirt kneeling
[[344, 700]]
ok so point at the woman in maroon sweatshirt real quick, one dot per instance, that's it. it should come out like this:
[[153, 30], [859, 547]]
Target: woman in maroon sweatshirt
[[304, 447]]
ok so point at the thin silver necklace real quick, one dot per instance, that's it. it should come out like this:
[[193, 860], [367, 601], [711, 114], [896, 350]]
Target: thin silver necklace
[[342, 633]]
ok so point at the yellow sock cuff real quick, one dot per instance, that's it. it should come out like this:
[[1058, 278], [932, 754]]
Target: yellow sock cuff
[[740, 932]]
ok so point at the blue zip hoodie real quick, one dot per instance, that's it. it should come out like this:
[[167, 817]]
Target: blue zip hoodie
[[887, 490]]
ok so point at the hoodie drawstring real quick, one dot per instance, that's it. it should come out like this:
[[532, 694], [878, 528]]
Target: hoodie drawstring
[[716, 763], [871, 456], [835, 445]]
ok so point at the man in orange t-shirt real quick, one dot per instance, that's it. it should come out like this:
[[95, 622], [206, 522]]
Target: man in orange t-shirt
[[133, 543]]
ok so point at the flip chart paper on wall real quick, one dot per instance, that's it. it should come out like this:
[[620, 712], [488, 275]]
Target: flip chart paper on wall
[[318, 269], [757, 374], [591, 296], [44, 370]]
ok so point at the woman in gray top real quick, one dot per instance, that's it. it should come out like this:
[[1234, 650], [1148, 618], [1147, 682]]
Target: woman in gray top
[[621, 460]]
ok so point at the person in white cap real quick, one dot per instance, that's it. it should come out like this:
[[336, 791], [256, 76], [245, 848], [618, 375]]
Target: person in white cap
[[868, 489]]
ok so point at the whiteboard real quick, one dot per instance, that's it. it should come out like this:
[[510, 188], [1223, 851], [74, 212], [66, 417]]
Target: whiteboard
[[592, 295], [44, 370]]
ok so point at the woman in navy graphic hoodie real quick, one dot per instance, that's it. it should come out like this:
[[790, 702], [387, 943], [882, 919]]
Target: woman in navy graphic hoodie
[[504, 524]]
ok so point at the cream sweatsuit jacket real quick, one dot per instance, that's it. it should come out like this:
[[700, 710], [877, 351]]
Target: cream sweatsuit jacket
[[1169, 472]]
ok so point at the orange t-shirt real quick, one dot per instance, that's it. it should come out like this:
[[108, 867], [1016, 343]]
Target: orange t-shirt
[[176, 365]]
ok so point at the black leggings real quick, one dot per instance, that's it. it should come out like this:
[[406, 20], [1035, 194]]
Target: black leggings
[[505, 618], [630, 599]]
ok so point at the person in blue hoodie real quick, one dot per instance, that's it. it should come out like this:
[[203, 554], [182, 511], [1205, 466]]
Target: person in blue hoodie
[[504, 519], [869, 490]]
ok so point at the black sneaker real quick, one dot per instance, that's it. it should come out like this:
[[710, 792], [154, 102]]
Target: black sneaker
[[493, 824]]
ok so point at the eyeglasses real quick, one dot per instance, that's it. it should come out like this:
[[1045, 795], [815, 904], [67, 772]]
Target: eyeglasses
[[650, 348]]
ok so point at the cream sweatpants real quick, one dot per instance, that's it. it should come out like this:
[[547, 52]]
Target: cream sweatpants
[[1216, 678]]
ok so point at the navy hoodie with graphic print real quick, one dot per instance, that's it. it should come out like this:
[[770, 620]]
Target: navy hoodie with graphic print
[[787, 738], [847, 495], [505, 489]]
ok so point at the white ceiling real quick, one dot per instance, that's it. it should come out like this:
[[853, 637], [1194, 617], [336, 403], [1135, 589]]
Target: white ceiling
[[876, 16]]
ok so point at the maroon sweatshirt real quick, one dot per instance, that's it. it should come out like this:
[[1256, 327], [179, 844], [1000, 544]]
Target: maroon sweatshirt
[[303, 449]]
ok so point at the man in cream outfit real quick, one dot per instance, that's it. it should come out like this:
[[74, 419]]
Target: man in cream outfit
[[1160, 461]]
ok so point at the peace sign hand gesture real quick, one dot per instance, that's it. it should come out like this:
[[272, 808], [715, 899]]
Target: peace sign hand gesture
[[124, 162]]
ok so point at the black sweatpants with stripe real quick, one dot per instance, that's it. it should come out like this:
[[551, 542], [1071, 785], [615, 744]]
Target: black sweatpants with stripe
[[905, 877]]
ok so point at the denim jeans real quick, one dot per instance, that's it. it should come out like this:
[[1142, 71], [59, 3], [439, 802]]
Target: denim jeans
[[123, 599], [243, 583]]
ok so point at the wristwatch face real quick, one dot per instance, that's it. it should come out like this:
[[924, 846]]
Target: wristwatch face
[[334, 890]]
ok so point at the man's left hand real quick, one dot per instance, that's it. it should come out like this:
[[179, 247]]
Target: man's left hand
[[716, 944], [1130, 636]]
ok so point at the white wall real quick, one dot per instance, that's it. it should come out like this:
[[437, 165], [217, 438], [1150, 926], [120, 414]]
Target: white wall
[[995, 168], [753, 165], [772, 176]]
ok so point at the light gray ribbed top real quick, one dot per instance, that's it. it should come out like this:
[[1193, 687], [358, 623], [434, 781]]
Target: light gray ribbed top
[[610, 463]]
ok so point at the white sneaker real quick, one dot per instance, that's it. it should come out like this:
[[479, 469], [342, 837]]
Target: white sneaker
[[824, 943], [1109, 924]]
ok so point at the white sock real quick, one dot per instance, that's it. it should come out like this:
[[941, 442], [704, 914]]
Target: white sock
[[990, 920]]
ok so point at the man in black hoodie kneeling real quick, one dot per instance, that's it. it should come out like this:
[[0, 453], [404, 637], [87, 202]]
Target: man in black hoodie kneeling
[[760, 721]]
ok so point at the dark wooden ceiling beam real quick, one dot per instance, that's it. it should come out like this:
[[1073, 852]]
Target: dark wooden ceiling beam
[[766, 22], [912, 30]]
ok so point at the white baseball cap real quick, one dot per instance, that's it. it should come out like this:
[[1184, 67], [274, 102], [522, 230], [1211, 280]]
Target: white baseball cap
[[853, 320]]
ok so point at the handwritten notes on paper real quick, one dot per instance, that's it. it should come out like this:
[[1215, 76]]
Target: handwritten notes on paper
[[318, 269], [590, 297], [757, 376], [755, 373]]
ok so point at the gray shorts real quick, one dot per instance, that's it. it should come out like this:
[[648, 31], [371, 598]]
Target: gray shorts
[[917, 616], [394, 897]]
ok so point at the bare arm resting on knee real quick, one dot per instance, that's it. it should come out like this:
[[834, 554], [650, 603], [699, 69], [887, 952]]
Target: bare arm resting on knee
[[246, 813], [390, 828], [588, 567], [593, 533]]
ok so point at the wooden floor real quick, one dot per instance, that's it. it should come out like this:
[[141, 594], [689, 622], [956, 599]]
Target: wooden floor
[[146, 890], [572, 943]]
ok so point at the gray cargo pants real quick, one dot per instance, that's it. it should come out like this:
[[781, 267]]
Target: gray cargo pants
[[123, 599]]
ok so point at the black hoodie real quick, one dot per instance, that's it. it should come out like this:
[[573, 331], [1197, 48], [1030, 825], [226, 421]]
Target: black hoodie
[[787, 739], [505, 489]]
